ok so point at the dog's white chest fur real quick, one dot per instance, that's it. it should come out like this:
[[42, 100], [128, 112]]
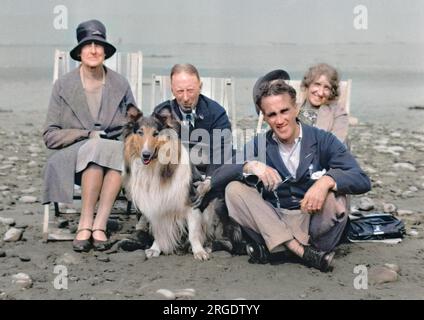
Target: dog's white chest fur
[[164, 201]]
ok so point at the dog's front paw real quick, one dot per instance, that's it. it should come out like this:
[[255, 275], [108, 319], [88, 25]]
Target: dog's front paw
[[152, 253], [201, 255]]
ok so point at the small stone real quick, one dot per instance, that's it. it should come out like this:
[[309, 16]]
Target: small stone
[[404, 166], [28, 199], [13, 235], [413, 233], [22, 280], [379, 275], [29, 190], [4, 188], [396, 135], [28, 212], [378, 183], [389, 208], [2, 254], [7, 221], [413, 189], [6, 167], [404, 212], [13, 159], [366, 204], [167, 294], [24, 258], [393, 267], [185, 293], [32, 164], [33, 149]]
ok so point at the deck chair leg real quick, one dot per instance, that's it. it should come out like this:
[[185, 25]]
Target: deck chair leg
[[46, 222], [56, 209], [129, 205]]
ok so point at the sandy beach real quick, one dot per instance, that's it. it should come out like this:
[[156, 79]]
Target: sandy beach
[[392, 157]]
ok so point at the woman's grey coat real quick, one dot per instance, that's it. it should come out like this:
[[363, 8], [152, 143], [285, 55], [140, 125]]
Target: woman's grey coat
[[68, 125]]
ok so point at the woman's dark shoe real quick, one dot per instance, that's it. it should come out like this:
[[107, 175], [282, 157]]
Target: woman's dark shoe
[[82, 245], [257, 252], [318, 259], [101, 245]]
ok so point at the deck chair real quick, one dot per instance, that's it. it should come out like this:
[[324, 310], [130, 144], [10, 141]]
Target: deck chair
[[344, 99], [129, 65], [222, 90]]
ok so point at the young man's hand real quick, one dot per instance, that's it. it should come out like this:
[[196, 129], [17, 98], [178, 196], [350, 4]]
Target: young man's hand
[[314, 198], [269, 176]]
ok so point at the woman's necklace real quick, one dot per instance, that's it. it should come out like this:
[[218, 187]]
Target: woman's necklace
[[83, 77]]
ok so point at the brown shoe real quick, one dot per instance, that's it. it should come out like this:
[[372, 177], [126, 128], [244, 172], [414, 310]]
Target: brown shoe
[[318, 259], [82, 245], [101, 245]]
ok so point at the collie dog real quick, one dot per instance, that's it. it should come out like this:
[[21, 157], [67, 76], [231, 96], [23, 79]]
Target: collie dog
[[158, 176]]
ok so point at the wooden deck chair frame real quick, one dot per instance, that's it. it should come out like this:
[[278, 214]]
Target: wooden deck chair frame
[[344, 99], [221, 90], [127, 64]]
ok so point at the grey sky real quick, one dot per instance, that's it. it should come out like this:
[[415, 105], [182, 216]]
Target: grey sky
[[216, 21]]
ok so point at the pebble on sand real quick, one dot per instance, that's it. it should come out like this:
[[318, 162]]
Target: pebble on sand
[[380, 275], [7, 221], [389, 208], [393, 267], [23, 280], [413, 233], [404, 212], [28, 199], [185, 293], [404, 166], [13, 235], [167, 294], [366, 204]]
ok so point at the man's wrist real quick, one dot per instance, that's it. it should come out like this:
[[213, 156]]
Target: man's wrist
[[330, 182]]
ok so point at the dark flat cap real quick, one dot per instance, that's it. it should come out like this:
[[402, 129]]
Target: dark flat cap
[[278, 74]]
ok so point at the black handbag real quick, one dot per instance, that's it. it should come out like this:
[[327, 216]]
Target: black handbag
[[375, 226]]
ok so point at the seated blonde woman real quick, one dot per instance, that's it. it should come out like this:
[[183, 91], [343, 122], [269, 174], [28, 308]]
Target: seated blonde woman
[[320, 108]]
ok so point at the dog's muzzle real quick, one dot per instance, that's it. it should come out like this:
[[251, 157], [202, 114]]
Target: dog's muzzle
[[146, 156]]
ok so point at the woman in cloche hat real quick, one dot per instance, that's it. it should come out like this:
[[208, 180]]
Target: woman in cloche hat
[[88, 108]]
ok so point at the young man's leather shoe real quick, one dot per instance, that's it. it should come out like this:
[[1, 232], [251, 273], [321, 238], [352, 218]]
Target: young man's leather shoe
[[318, 259], [257, 252]]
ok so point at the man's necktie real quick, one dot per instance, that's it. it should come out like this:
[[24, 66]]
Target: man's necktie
[[189, 120]]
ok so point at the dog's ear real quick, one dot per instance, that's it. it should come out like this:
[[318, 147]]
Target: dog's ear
[[133, 115], [164, 116], [168, 118]]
